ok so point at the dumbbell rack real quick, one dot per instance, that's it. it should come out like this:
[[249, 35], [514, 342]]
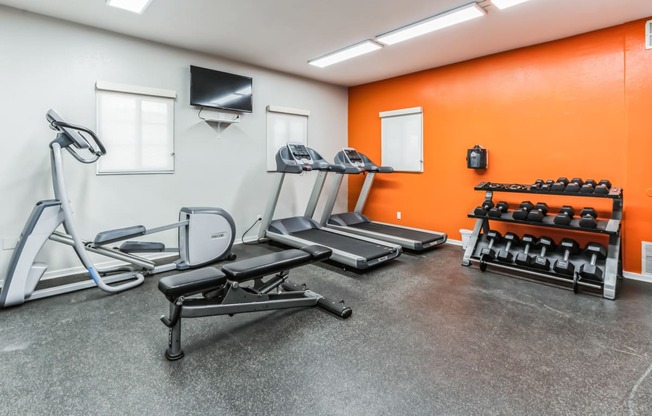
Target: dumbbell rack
[[612, 227]]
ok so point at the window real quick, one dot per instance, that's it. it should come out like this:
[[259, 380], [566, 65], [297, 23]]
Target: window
[[648, 34], [136, 125], [284, 125], [402, 139]]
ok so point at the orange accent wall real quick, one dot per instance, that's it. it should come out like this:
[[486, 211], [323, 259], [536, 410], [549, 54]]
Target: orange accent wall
[[580, 106]]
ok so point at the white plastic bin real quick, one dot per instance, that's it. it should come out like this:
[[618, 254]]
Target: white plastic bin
[[466, 237]]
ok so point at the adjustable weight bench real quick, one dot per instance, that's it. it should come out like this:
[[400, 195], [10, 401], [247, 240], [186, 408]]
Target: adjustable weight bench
[[210, 292]]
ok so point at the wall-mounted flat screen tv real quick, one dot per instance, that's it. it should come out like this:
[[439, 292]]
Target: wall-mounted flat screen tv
[[221, 90]]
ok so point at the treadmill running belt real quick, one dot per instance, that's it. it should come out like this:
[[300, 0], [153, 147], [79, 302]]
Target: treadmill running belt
[[351, 245], [414, 235]]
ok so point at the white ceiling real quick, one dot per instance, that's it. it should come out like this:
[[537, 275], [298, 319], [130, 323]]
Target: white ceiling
[[284, 34]]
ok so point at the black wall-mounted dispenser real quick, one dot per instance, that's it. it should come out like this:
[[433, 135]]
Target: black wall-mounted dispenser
[[477, 158]]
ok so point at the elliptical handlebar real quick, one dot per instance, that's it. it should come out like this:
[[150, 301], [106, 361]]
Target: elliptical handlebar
[[76, 140]]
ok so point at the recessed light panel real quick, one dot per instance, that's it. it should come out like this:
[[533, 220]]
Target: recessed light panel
[[503, 4], [440, 21], [344, 54], [135, 6]]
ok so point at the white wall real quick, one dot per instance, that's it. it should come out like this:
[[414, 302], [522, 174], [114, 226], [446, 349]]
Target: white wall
[[47, 63]]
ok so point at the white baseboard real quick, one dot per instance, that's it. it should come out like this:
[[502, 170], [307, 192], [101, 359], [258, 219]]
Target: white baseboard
[[454, 242], [647, 278], [71, 271]]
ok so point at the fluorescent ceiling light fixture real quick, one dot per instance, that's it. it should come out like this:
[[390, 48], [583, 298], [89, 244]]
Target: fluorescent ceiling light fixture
[[459, 15], [503, 4], [346, 53], [136, 6]]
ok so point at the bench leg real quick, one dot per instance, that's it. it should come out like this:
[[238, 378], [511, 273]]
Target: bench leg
[[174, 351], [335, 307]]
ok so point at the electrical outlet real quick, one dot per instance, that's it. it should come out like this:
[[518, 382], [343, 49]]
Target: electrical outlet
[[259, 217], [398, 215]]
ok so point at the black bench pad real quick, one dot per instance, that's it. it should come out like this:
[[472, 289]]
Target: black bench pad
[[192, 282], [267, 264]]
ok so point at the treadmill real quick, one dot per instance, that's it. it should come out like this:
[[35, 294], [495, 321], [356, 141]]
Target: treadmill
[[357, 223], [354, 251]]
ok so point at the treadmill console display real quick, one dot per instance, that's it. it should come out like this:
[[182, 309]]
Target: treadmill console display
[[353, 157], [300, 153]]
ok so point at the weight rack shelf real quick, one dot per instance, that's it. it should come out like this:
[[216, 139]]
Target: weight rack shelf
[[538, 275], [614, 192], [603, 226], [611, 265]]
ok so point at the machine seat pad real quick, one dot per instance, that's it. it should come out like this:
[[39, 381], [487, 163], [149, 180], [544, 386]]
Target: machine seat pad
[[267, 264], [111, 236], [191, 283], [142, 247]]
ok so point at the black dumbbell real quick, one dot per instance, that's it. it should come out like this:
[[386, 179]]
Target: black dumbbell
[[537, 213], [499, 209], [591, 271], [564, 266], [574, 185], [603, 187], [489, 252], [588, 216], [536, 185], [564, 216], [541, 261], [546, 185], [504, 255], [482, 210], [524, 258], [560, 185], [521, 212], [588, 187]]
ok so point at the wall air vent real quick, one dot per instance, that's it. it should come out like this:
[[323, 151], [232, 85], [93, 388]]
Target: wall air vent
[[648, 34], [647, 258]]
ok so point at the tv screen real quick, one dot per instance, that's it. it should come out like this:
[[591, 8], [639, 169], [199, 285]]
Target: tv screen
[[221, 90]]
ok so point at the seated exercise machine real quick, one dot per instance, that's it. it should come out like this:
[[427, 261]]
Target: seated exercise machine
[[351, 250], [357, 223], [211, 292], [205, 235]]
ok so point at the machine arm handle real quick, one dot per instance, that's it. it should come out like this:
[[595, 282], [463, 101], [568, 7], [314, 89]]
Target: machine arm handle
[[78, 137]]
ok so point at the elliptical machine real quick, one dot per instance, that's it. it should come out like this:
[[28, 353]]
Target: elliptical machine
[[205, 235]]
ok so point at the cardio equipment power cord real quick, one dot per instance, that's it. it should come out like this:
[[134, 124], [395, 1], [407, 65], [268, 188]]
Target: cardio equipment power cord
[[251, 243]]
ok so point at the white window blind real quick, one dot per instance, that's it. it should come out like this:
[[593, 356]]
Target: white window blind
[[402, 139], [284, 125], [136, 125]]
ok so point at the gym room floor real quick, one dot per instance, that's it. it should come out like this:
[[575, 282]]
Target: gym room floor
[[427, 337]]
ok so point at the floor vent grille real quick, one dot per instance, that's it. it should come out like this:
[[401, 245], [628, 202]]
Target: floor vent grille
[[647, 257]]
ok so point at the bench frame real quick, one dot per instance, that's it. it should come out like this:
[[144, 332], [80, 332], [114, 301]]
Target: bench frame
[[233, 298]]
